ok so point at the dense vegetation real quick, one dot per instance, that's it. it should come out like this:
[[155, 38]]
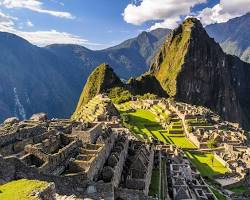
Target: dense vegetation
[[119, 95], [100, 80]]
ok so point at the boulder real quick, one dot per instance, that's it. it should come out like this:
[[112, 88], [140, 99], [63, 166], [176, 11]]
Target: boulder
[[11, 120], [39, 117]]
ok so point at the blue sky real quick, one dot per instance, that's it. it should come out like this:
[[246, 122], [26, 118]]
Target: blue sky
[[99, 24]]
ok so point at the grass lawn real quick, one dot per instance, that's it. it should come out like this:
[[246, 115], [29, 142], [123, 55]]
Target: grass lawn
[[181, 141], [154, 185], [20, 189], [203, 162], [145, 125]]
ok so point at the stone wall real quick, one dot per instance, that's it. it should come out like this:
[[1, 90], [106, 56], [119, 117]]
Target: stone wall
[[49, 193], [119, 167], [20, 134], [75, 184], [89, 135], [149, 172], [126, 194], [7, 171], [100, 191], [15, 142], [51, 161]]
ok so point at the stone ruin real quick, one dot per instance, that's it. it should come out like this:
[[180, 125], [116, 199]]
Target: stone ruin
[[84, 159], [184, 181], [100, 108], [102, 160]]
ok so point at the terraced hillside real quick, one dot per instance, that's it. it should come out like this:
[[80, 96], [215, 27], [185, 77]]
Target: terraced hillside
[[95, 109], [156, 122]]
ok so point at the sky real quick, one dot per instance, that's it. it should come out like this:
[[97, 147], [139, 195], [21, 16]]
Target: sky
[[98, 24]]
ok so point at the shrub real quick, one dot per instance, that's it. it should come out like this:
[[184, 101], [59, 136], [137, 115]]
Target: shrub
[[119, 95]]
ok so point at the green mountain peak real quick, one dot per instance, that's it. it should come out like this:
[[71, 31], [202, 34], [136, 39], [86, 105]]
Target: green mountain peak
[[100, 81]]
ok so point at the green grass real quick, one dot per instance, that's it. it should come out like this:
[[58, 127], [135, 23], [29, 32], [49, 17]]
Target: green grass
[[239, 189], [20, 189], [218, 194], [182, 141], [154, 185], [144, 124], [203, 162]]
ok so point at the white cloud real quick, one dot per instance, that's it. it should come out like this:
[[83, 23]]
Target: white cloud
[[42, 38], [169, 11], [36, 6], [224, 11], [29, 23], [170, 23], [6, 22]]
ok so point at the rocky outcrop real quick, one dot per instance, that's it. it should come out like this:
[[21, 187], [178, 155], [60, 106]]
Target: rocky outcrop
[[192, 67]]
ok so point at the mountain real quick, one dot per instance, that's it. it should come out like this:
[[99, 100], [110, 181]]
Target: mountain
[[130, 58], [100, 81], [34, 80], [103, 79], [193, 68], [233, 36], [50, 79]]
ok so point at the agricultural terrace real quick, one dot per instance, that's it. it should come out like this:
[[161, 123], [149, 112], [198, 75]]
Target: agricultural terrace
[[144, 125]]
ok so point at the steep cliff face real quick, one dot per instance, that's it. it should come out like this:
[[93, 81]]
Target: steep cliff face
[[100, 80], [146, 83], [193, 68]]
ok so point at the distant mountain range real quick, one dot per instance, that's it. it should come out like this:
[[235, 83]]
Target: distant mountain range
[[233, 36], [50, 79]]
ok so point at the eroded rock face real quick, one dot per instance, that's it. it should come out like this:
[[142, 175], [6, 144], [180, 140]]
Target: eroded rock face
[[204, 74]]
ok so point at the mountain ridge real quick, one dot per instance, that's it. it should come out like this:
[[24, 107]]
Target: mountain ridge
[[50, 79], [234, 39]]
